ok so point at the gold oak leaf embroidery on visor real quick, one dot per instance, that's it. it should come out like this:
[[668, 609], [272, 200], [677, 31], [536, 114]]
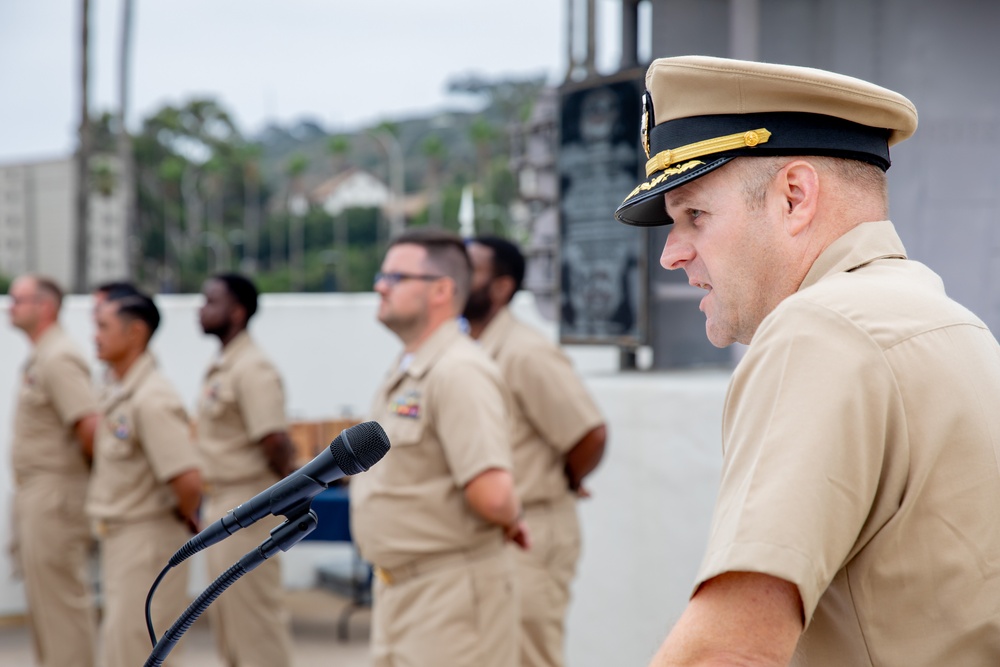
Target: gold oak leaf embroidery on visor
[[672, 171]]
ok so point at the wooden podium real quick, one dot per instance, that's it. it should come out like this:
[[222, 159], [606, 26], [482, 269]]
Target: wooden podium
[[311, 437]]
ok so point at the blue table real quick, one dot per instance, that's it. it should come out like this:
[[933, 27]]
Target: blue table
[[333, 507]]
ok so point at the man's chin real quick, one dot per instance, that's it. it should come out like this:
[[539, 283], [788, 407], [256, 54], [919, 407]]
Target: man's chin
[[719, 339]]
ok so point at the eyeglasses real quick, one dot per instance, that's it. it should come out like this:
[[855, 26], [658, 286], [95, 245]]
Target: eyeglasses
[[395, 277]]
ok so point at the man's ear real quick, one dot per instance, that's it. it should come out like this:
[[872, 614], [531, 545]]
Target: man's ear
[[799, 186], [443, 290], [502, 290], [239, 313], [48, 308], [137, 330]]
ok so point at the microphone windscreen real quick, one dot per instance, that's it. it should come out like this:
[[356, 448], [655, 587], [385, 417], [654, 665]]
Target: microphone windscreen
[[360, 447]]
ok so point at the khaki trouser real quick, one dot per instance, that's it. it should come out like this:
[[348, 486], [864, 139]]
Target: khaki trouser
[[463, 613], [53, 543], [249, 620], [132, 555], [545, 574]]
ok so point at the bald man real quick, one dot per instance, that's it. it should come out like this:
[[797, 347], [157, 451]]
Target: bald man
[[54, 424]]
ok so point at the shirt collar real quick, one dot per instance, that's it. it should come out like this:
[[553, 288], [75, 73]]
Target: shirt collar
[[47, 340], [497, 332], [50, 336], [134, 377], [433, 347], [866, 243], [232, 350]]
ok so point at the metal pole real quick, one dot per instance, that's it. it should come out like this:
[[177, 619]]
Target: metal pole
[[127, 180], [630, 34], [591, 38], [570, 39], [394, 155]]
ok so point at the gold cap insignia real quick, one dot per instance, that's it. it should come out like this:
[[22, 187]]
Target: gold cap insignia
[[647, 114]]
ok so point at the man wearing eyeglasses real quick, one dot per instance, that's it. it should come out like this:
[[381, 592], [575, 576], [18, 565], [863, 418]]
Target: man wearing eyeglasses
[[54, 425], [434, 515]]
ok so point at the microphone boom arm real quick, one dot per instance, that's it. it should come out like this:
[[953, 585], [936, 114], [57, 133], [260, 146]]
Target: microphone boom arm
[[282, 538]]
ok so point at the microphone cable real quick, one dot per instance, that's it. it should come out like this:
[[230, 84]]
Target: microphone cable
[[282, 538]]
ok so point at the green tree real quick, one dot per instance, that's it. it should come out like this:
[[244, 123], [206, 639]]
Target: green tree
[[483, 134], [249, 157], [338, 147], [435, 151], [298, 206], [510, 100], [189, 162]]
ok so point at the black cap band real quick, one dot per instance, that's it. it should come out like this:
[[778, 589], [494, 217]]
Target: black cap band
[[792, 133]]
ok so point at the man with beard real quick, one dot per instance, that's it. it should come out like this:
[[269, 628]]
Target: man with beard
[[434, 514], [558, 439], [54, 424], [245, 448]]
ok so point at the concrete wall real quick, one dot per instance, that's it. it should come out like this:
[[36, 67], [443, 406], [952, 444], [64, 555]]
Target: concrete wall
[[644, 528]]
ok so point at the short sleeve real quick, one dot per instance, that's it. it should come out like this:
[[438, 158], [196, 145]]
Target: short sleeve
[[804, 433], [552, 397], [163, 429], [68, 383], [261, 399], [470, 415]]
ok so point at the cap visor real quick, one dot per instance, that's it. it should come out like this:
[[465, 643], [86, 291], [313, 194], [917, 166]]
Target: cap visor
[[645, 207]]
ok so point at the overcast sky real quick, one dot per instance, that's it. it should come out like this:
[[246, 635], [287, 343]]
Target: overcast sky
[[340, 62]]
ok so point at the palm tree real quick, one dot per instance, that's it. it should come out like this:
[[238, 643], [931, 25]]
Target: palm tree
[[82, 256], [338, 147], [386, 135], [215, 224], [434, 150], [298, 206], [170, 173], [249, 156], [482, 133]]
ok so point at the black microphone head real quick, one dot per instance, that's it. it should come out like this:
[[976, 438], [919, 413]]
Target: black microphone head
[[359, 447]]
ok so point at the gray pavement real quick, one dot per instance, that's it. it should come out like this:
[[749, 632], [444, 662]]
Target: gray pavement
[[315, 614]]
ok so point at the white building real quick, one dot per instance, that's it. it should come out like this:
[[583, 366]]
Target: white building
[[37, 230], [353, 188]]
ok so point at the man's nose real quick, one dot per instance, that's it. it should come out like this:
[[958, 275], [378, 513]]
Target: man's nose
[[676, 252]]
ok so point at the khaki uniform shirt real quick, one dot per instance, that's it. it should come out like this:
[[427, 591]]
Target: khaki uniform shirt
[[55, 393], [143, 442], [861, 440], [446, 415], [552, 409], [242, 400]]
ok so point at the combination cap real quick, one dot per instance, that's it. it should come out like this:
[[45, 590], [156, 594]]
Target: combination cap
[[701, 112]]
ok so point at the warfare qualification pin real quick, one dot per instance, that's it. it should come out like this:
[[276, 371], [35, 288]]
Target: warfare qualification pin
[[647, 113]]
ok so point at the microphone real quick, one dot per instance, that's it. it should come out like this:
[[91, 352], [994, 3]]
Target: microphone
[[355, 450]]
